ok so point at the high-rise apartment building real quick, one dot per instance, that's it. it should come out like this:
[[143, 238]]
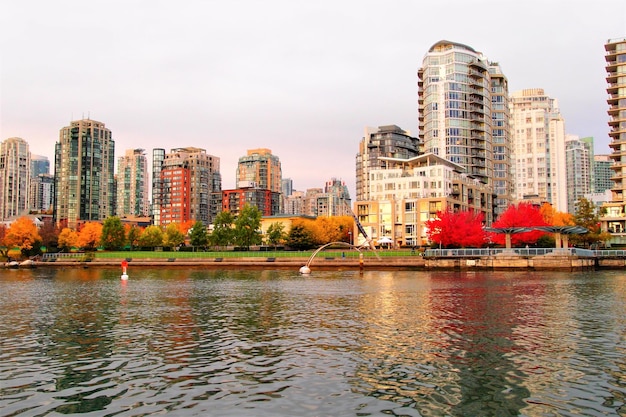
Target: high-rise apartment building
[[41, 193], [187, 178], [39, 165], [260, 169], [158, 156], [14, 178], [84, 173], [132, 184], [602, 173], [538, 132], [455, 116], [503, 180], [615, 219], [578, 160], [385, 141]]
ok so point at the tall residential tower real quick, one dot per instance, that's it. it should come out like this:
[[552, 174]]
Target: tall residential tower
[[186, 179], [84, 161], [616, 78], [455, 107], [538, 132], [259, 169], [132, 184], [14, 178]]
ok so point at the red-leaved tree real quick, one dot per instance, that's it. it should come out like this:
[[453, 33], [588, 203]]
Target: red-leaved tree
[[520, 215], [457, 230]]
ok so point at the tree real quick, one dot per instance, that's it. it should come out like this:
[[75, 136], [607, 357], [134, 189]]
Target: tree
[[151, 237], [49, 233], [173, 237], [67, 239], [588, 216], [457, 230], [276, 233], [248, 226], [520, 215], [555, 218], [23, 234], [113, 235], [198, 235], [132, 236], [332, 229], [89, 236], [223, 233], [300, 235], [4, 250], [185, 226]]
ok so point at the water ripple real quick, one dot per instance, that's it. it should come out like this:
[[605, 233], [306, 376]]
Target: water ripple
[[338, 344]]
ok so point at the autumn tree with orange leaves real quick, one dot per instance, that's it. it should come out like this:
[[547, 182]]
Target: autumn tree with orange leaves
[[23, 234], [332, 229], [457, 229], [89, 236], [67, 239], [556, 218]]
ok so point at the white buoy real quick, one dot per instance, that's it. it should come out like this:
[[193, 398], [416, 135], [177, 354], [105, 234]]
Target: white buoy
[[305, 270]]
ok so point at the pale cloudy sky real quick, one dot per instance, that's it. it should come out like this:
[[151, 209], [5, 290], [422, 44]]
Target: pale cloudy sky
[[302, 78]]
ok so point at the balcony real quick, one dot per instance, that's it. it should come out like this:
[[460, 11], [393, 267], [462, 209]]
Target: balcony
[[616, 134], [616, 144]]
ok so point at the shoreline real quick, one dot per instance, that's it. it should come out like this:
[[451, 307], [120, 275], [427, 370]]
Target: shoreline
[[498, 262]]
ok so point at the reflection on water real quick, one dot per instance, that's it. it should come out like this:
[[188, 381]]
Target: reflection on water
[[195, 342]]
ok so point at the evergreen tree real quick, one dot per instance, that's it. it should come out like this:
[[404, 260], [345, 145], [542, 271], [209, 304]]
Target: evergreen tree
[[300, 237]]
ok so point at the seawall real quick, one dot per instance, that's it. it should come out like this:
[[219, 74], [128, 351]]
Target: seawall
[[500, 261]]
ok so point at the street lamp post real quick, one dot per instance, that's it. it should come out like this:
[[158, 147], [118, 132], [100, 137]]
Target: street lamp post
[[350, 238]]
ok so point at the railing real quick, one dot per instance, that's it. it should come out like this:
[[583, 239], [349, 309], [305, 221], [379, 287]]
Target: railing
[[529, 252]]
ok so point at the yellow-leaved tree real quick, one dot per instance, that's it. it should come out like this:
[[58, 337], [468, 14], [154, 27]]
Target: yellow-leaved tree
[[67, 239], [23, 234], [89, 236], [556, 218]]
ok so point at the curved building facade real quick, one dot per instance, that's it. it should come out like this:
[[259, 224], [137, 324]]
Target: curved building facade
[[455, 107]]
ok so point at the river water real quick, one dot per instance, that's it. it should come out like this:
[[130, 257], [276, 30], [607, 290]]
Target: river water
[[340, 343]]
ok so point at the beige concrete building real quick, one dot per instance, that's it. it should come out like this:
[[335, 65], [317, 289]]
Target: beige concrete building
[[260, 169], [538, 133], [405, 193], [14, 178], [133, 185]]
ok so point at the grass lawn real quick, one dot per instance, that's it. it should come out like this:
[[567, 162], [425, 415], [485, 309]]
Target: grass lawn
[[334, 253]]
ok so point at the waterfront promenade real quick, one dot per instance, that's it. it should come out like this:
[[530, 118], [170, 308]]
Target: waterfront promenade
[[494, 258]]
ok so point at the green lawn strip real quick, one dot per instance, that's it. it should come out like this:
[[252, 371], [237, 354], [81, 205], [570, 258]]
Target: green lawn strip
[[334, 253]]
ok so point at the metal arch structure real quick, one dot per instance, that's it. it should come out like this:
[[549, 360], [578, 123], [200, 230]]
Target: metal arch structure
[[306, 269]]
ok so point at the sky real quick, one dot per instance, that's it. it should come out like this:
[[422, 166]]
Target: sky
[[301, 78]]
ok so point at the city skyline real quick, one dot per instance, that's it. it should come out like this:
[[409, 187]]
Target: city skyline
[[281, 75]]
